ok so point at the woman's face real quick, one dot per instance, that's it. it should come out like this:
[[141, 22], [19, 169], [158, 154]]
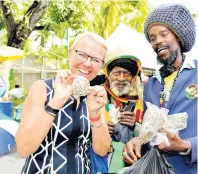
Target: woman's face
[[86, 58]]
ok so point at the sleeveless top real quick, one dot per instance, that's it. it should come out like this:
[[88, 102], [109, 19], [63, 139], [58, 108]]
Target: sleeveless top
[[65, 148]]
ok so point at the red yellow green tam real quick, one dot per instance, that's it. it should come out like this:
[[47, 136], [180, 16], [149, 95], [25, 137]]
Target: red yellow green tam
[[128, 62]]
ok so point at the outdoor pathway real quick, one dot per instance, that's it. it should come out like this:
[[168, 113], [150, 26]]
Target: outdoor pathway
[[11, 163]]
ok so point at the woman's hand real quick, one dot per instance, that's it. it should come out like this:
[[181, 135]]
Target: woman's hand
[[62, 88], [96, 98]]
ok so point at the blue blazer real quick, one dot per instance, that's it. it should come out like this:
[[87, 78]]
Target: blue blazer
[[178, 103]]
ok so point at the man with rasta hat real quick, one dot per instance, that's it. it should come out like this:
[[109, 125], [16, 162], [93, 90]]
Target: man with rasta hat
[[125, 106], [170, 29]]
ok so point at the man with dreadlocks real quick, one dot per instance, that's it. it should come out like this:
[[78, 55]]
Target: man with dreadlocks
[[170, 29], [124, 106]]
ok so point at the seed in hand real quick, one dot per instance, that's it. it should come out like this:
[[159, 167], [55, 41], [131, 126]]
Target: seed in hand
[[80, 86]]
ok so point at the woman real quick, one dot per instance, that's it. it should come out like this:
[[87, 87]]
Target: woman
[[55, 131]]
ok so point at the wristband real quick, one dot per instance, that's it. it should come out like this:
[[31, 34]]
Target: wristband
[[94, 119], [53, 112]]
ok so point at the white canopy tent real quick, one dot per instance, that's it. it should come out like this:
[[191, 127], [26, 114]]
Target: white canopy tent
[[194, 52], [125, 40]]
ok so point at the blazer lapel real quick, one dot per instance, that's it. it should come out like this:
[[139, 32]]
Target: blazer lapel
[[179, 85]]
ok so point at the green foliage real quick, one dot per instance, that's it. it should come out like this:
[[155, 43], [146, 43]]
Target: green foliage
[[28, 48], [3, 36], [65, 14], [19, 8], [55, 52], [16, 101], [101, 17], [140, 14], [11, 79], [2, 25], [60, 29], [40, 54], [107, 15], [61, 51]]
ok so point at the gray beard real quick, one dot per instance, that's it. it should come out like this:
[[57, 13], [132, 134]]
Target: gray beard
[[120, 92], [167, 68]]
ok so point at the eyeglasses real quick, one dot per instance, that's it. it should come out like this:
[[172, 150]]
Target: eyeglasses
[[83, 57], [117, 73]]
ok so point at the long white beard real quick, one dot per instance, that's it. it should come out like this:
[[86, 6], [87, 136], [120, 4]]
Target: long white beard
[[119, 92]]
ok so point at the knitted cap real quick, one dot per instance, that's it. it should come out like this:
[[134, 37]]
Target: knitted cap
[[178, 19], [128, 62]]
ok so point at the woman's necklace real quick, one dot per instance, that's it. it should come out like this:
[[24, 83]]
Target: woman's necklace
[[163, 94]]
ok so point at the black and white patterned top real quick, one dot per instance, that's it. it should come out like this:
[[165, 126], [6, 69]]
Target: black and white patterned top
[[65, 148]]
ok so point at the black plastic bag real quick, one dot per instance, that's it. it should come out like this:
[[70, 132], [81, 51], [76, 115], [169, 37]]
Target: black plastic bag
[[153, 162]]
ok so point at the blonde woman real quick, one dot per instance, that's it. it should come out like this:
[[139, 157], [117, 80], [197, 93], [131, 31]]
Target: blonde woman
[[56, 130]]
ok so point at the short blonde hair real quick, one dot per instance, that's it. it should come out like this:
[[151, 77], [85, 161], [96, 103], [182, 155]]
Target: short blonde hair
[[94, 36]]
